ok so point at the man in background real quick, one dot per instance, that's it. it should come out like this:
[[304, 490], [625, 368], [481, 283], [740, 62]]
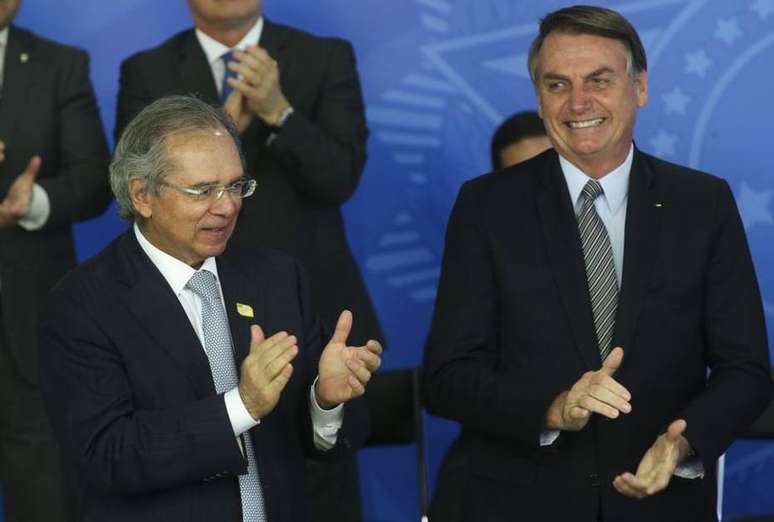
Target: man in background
[[53, 173], [517, 139], [298, 106]]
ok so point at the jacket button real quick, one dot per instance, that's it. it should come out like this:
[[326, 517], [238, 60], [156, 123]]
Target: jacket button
[[594, 480]]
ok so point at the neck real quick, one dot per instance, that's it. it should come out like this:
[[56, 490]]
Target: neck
[[227, 34]]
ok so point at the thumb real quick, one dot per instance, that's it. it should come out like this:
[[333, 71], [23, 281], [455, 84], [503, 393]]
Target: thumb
[[256, 336], [676, 429], [613, 361], [32, 169], [343, 327]]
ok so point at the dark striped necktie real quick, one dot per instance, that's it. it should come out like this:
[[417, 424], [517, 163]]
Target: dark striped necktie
[[600, 267]]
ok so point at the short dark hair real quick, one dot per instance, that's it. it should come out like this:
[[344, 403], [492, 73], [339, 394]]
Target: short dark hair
[[586, 19], [525, 124]]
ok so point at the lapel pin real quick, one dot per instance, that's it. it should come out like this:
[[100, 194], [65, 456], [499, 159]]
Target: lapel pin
[[659, 205], [244, 310], [24, 57]]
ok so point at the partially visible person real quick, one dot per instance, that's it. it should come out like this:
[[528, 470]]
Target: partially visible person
[[517, 139], [53, 173], [298, 105], [186, 378]]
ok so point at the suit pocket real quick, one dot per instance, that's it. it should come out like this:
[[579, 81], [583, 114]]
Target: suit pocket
[[502, 465]]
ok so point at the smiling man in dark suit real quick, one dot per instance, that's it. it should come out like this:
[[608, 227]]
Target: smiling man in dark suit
[[297, 102], [186, 380], [53, 173], [584, 295]]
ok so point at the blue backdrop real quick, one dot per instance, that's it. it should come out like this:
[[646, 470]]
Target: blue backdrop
[[438, 76]]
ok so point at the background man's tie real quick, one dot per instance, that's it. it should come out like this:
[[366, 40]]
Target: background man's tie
[[225, 88], [220, 352], [600, 267]]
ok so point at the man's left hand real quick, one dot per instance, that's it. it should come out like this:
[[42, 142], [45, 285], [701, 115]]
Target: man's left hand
[[345, 370], [259, 83], [657, 466], [17, 202]]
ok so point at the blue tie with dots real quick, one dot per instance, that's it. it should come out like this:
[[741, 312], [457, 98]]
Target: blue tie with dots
[[218, 345], [225, 88]]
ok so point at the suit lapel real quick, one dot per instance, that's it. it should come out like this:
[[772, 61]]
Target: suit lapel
[[159, 313], [241, 298], [643, 223], [560, 231], [18, 76], [195, 72]]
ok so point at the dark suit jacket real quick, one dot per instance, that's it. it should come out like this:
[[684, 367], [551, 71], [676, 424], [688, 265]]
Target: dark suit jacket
[[312, 167], [47, 107], [513, 328], [131, 396]]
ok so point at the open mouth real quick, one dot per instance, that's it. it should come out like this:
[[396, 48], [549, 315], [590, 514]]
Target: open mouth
[[585, 124]]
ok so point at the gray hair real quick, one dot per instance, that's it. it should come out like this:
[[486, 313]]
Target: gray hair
[[142, 151], [599, 21]]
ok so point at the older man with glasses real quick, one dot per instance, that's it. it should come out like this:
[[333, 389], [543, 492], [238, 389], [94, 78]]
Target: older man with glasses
[[186, 379]]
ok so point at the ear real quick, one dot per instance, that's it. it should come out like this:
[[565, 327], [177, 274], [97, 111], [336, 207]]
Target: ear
[[641, 84], [140, 197]]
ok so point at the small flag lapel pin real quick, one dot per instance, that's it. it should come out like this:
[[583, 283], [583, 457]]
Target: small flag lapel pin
[[24, 57], [244, 310]]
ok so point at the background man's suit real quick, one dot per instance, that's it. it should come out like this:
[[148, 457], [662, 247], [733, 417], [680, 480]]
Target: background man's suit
[[153, 440], [513, 328], [47, 108], [308, 171]]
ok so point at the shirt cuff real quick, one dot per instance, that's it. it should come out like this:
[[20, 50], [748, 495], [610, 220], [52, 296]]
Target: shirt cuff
[[691, 469], [40, 209], [548, 437], [240, 418], [325, 423]]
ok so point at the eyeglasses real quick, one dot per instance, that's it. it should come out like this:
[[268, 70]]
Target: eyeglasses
[[241, 188]]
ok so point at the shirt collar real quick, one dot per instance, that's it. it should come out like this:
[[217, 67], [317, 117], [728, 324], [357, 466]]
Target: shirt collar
[[213, 49], [174, 271], [615, 183], [4, 37]]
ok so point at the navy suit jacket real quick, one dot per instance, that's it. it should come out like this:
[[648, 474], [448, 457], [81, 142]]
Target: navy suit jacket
[[132, 400], [47, 108], [513, 328]]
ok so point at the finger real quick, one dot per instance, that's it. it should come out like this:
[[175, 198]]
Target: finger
[[356, 386], [32, 168], [602, 379], [259, 54], [251, 75], [278, 383], [623, 487], [660, 480], [374, 347], [676, 430], [371, 360], [578, 413], [594, 405], [359, 370], [276, 365], [343, 327], [610, 397], [613, 361], [271, 351], [256, 336], [249, 91], [634, 485], [253, 61]]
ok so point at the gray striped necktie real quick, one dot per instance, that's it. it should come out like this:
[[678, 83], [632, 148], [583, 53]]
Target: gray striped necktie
[[600, 267], [219, 348]]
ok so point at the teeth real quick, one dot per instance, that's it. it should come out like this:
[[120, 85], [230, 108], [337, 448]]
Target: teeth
[[585, 124]]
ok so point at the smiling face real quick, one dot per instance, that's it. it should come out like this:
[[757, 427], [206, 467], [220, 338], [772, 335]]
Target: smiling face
[[588, 101], [222, 15], [179, 225]]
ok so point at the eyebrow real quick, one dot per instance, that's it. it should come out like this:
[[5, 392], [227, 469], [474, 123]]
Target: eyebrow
[[597, 72]]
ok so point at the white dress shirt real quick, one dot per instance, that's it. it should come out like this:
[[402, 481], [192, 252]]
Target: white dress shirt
[[213, 49], [326, 423]]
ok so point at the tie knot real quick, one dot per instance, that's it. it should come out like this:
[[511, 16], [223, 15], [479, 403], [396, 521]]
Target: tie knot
[[203, 284], [227, 57], [592, 190]]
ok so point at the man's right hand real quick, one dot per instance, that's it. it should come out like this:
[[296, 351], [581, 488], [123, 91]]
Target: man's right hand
[[266, 370], [595, 392]]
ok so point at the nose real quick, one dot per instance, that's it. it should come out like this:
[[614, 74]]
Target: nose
[[226, 205], [580, 100]]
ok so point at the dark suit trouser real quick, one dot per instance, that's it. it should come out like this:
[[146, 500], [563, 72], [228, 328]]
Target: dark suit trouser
[[30, 466]]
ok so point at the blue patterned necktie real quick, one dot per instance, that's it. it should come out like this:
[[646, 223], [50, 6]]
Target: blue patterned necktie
[[600, 267], [225, 88], [218, 345]]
